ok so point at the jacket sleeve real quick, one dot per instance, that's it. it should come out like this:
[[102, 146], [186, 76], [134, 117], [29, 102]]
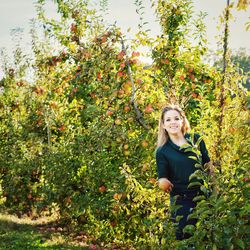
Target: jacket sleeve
[[203, 149], [162, 164], [204, 153]]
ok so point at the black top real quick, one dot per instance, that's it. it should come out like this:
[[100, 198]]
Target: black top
[[174, 164]]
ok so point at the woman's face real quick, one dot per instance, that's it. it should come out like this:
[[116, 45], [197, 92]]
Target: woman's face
[[173, 122]]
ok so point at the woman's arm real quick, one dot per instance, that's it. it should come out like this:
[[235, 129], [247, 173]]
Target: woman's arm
[[163, 171]]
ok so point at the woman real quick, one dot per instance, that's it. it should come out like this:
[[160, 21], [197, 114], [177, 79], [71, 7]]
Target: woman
[[174, 166]]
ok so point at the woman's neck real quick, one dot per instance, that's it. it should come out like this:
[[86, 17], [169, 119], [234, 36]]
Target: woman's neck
[[178, 139]]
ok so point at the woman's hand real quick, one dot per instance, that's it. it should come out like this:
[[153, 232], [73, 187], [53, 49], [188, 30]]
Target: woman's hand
[[165, 185]]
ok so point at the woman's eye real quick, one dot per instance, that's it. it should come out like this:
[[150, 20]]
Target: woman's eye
[[168, 120], [177, 119]]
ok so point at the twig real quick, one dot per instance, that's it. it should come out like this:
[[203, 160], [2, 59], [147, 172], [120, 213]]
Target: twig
[[139, 116], [222, 93]]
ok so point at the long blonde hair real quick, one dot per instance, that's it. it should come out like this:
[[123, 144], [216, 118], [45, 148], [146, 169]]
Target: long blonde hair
[[162, 133]]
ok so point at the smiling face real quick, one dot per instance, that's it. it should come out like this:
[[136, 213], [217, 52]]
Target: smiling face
[[173, 122]]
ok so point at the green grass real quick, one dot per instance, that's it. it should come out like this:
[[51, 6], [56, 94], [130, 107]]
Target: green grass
[[41, 234]]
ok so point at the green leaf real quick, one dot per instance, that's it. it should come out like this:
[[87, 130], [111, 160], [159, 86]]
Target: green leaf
[[178, 218], [199, 197], [198, 165], [189, 229], [240, 243], [192, 216], [199, 141], [193, 157], [189, 149], [186, 145], [219, 202], [196, 183]]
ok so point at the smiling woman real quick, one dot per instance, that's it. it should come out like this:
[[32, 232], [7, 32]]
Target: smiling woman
[[173, 121], [175, 166]]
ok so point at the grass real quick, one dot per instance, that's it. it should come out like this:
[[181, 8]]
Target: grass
[[43, 233]]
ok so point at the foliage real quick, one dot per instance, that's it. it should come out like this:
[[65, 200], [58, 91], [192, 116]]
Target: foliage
[[242, 59], [80, 135]]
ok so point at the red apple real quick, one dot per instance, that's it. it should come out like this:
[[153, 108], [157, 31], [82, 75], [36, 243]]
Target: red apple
[[165, 185], [102, 189]]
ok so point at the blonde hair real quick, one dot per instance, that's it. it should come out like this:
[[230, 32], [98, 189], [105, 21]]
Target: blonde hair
[[162, 133]]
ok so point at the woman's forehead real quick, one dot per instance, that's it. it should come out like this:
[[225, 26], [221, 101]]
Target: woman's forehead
[[172, 113]]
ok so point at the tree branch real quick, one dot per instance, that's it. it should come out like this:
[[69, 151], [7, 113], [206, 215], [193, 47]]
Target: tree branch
[[222, 86], [139, 116]]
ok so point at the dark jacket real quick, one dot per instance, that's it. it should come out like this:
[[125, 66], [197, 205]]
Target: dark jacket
[[174, 164]]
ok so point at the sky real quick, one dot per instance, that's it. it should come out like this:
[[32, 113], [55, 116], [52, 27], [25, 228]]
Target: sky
[[18, 13], [124, 12]]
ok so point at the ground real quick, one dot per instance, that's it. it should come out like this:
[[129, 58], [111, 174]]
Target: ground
[[40, 233]]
